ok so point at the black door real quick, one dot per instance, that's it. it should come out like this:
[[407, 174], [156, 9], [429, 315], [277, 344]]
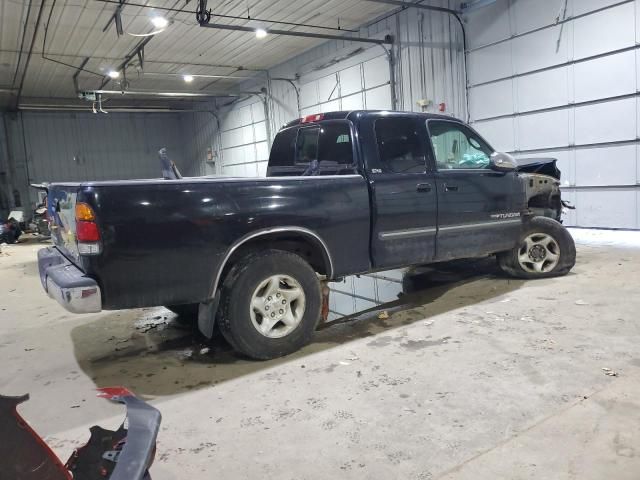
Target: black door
[[478, 211], [404, 202]]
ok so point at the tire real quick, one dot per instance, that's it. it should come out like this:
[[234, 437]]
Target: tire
[[271, 283], [546, 249], [187, 313]]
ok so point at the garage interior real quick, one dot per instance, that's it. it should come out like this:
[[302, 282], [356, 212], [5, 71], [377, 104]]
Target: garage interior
[[453, 371]]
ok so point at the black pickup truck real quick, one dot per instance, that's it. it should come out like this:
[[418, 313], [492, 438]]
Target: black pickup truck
[[345, 193]]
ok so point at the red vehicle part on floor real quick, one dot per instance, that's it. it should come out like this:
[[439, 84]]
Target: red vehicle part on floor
[[123, 454]]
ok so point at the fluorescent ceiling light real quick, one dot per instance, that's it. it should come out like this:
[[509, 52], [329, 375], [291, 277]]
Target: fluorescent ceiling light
[[159, 22], [261, 33], [113, 74], [188, 78]]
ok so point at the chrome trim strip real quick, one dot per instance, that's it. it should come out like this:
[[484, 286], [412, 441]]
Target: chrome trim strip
[[487, 224], [407, 233], [268, 231]]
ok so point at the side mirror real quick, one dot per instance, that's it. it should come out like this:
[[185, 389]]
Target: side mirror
[[503, 162]]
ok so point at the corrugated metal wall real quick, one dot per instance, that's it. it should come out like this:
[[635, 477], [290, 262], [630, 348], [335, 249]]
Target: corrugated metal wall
[[66, 146], [200, 132], [564, 89]]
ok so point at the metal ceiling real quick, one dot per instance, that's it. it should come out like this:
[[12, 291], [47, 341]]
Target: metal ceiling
[[74, 36]]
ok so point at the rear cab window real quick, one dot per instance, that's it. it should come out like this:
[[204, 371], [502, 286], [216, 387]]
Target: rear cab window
[[400, 149], [324, 148]]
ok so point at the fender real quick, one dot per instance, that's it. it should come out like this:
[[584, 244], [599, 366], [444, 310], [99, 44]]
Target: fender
[[207, 310], [268, 231]]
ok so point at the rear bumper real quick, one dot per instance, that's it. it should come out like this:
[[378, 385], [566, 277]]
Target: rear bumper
[[67, 284]]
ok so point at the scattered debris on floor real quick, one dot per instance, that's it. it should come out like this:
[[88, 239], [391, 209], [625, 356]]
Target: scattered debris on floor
[[383, 315], [609, 372], [581, 302]]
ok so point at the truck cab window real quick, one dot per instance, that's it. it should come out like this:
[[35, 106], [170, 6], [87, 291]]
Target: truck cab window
[[323, 149], [399, 146], [457, 147]]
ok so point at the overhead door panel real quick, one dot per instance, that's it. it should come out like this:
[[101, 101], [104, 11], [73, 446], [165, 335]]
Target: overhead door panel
[[567, 90], [360, 86], [244, 141]]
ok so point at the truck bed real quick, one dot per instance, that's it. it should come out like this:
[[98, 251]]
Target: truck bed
[[163, 241]]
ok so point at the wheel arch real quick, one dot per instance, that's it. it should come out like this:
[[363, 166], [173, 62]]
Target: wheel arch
[[308, 244]]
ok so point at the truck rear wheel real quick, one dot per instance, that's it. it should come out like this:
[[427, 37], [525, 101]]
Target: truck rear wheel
[[546, 249], [270, 304]]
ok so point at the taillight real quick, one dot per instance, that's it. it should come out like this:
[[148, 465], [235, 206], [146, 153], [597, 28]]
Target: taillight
[[313, 118], [84, 212], [87, 232]]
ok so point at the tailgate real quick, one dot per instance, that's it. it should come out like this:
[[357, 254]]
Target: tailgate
[[61, 202]]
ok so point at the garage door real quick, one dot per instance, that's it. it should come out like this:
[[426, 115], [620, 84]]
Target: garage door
[[245, 149], [364, 85], [569, 91]]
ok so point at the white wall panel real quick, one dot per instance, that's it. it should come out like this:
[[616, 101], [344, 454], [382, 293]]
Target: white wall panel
[[350, 80], [376, 72], [328, 88], [492, 99], [333, 106], [363, 85], [606, 166], [539, 50], [490, 24], [615, 208], [243, 136], [529, 14], [569, 216], [604, 31], [490, 63], [309, 94], [260, 131], [257, 111], [262, 151], [606, 122], [542, 90], [353, 102], [499, 133], [584, 6], [378, 98], [605, 77], [543, 130]]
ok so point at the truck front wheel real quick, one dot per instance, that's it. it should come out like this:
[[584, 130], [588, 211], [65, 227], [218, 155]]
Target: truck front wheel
[[270, 304], [546, 249]]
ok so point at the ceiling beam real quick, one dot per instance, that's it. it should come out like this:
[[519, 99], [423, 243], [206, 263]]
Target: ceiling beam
[[170, 94], [238, 28]]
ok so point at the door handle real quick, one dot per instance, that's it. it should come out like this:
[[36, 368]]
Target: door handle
[[423, 187], [450, 188]]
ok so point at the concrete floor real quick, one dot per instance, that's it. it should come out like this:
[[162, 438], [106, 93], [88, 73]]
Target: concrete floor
[[474, 376]]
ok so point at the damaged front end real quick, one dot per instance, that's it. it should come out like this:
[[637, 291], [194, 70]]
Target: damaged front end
[[123, 454], [541, 178]]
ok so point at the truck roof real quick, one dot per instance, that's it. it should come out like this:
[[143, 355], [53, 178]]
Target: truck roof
[[357, 114]]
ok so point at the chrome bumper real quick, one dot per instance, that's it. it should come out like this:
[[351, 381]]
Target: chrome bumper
[[67, 284]]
